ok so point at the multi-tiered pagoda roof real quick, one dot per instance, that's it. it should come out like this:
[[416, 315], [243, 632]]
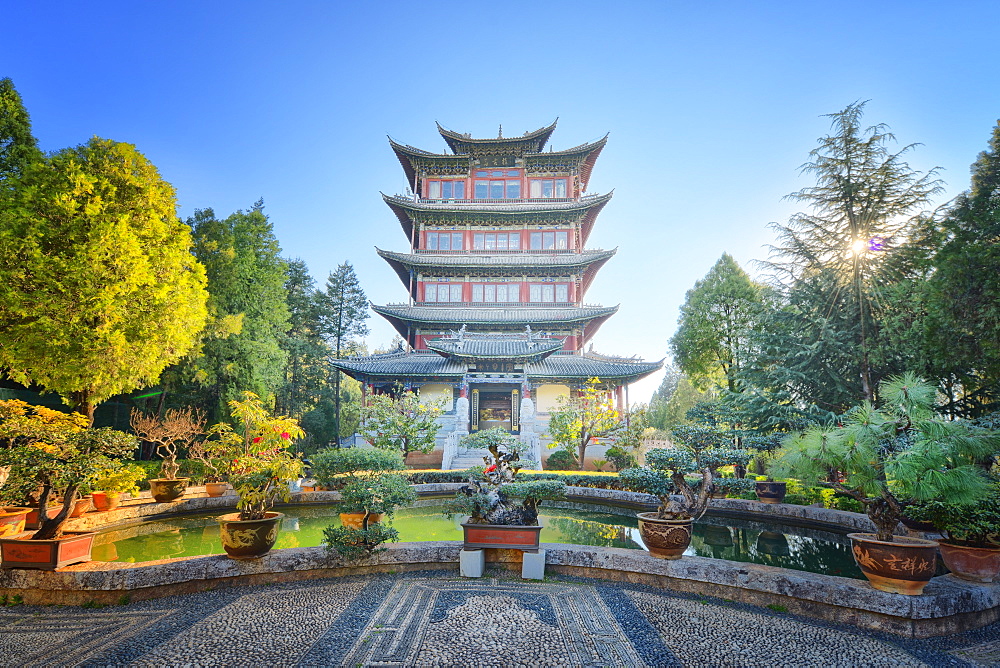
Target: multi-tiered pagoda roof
[[496, 268]]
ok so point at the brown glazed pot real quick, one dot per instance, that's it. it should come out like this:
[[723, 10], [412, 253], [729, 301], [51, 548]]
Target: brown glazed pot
[[248, 539], [105, 501], [665, 539], [903, 566], [357, 520], [164, 490], [12, 520], [979, 564], [769, 491]]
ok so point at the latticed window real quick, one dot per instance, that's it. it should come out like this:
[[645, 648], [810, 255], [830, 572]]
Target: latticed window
[[548, 293], [446, 189], [547, 188], [496, 292], [496, 241], [556, 240], [444, 241], [443, 292]]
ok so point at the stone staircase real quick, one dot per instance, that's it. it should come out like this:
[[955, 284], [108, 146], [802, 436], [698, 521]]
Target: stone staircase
[[469, 458]]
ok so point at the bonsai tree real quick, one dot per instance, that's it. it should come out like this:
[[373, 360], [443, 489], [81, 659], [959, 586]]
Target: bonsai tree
[[402, 423], [256, 456], [381, 495], [173, 432], [700, 452], [120, 478], [894, 455], [370, 483], [53, 453], [975, 525], [494, 494]]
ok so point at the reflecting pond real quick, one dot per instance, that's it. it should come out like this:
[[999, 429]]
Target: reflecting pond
[[714, 537]]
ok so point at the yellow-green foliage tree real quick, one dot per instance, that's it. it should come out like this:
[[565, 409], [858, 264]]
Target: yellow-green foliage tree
[[576, 422], [99, 291]]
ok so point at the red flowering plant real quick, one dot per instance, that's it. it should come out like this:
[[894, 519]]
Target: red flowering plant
[[255, 455], [494, 494]]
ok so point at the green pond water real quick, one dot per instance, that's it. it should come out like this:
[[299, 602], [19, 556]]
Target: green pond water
[[720, 538]]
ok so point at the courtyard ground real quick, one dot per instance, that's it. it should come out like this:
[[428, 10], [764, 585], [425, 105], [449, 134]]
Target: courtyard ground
[[436, 618]]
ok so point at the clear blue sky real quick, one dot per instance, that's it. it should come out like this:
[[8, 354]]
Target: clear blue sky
[[711, 106]]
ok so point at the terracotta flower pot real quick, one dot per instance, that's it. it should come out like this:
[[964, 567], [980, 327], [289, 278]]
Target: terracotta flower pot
[[164, 490], [248, 539], [356, 520], [511, 537], [216, 489], [903, 566], [105, 501], [31, 521], [81, 506], [979, 564], [769, 491], [12, 520], [48, 555], [665, 539]]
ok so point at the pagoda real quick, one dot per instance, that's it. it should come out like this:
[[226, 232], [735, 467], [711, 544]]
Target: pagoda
[[496, 272]]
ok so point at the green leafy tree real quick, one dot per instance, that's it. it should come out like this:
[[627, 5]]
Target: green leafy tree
[[306, 373], [98, 288], [862, 206], [711, 344], [345, 309], [576, 422], [18, 147], [962, 327], [402, 423], [246, 281]]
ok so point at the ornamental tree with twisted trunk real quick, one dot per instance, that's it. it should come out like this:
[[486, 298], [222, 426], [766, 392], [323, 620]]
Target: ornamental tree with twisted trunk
[[894, 455], [172, 433], [56, 453]]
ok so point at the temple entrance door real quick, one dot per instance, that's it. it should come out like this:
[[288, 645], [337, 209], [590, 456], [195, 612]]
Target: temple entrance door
[[496, 407]]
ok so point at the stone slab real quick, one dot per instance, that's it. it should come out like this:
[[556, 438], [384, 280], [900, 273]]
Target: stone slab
[[471, 563], [533, 565]]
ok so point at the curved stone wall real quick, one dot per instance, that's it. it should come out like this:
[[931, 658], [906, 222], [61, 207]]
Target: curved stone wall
[[947, 606]]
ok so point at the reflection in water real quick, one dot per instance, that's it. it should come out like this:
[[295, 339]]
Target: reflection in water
[[716, 537]]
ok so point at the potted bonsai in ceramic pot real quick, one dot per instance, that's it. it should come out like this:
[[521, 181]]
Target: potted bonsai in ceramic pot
[[55, 453], [341, 468], [369, 496], [971, 544], [172, 433], [502, 506], [215, 486], [699, 453], [889, 457], [259, 465], [109, 485]]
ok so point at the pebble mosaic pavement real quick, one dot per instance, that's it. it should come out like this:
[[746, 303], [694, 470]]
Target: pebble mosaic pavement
[[438, 619]]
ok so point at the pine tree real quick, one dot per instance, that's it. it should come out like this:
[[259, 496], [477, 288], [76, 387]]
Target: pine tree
[[863, 206], [345, 309]]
